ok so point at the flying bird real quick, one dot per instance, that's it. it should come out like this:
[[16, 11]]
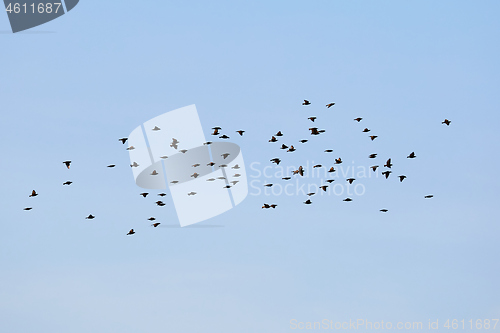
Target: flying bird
[[273, 139], [33, 194], [332, 169], [317, 166], [373, 137], [347, 199], [268, 185], [164, 156], [196, 165], [447, 122], [374, 167], [308, 202], [401, 178], [236, 166], [429, 196], [225, 155], [324, 187], [306, 102], [174, 181], [207, 143], [240, 132], [28, 208], [372, 156], [211, 164], [111, 166], [301, 170], [134, 165], [384, 210], [144, 194], [183, 151], [279, 133], [314, 131], [412, 155], [338, 160], [286, 178], [223, 137], [236, 175], [291, 149], [328, 150], [234, 182], [154, 173], [67, 163], [350, 180], [156, 224], [90, 217], [386, 174], [156, 128], [312, 119], [303, 141], [366, 130], [195, 175], [123, 140], [160, 203], [162, 194], [131, 148], [216, 131], [68, 183], [283, 146], [174, 143], [311, 193], [276, 160], [191, 193], [330, 180], [358, 119], [330, 105], [131, 232], [151, 219], [388, 164]]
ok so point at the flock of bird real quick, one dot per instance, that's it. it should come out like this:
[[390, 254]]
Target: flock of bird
[[314, 131]]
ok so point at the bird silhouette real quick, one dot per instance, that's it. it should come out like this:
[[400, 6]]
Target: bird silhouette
[[306, 102], [111, 166], [156, 128], [276, 160], [286, 178], [347, 199], [386, 174], [68, 183], [338, 160], [303, 141], [332, 169], [67, 163], [162, 194], [156, 224], [374, 167], [195, 175], [373, 137], [412, 155], [225, 155], [372, 156], [291, 149], [279, 134], [144, 194], [366, 130], [191, 193], [223, 137], [236, 166], [28, 208], [350, 180], [174, 143], [273, 139], [401, 178], [308, 202], [134, 165], [384, 210], [154, 173], [429, 196], [358, 119], [388, 164], [328, 150], [283, 146], [324, 187], [330, 180], [330, 105], [123, 140], [240, 132], [131, 232], [90, 217], [151, 219], [447, 122], [131, 148], [33, 194], [312, 119], [314, 131]]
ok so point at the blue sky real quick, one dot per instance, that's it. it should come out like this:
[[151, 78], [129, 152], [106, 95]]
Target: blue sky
[[90, 77]]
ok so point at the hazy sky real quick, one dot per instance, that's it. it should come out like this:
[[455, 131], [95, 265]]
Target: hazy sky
[[70, 88]]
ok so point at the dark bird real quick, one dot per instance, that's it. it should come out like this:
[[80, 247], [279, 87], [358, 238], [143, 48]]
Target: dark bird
[[123, 140], [447, 122], [156, 128], [183, 151], [321, 131], [90, 217], [225, 155], [279, 133], [144, 194], [372, 156], [151, 219], [330, 180], [283, 146], [332, 169], [240, 132], [131, 148], [303, 141], [412, 155], [347, 199], [134, 165], [306, 102], [162, 194], [312, 119], [286, 178], [388, 164], [358, 119], [276, 160], [210, 179], [401, 178], [386, 174], [195, 175], [291, 149], [174, 181], [174, 143], [301, 170], [131, 232], [373, 137], [324, 187], [154, 173], [207, 143], [268, 185], [33, 194], [366, 130], [227, 186], [223, 137], [68, 183], [236, 166], [160, 203], [312, 193], [384, 210], [338, 160], [317, 166], [273, 139], [350, 180], [191, 193], [330, 105], [217, 128], [156, 224], [429, 196], [308, 202], [111, 166], [211, 164], [67, 163], [274, 205], [236, 175], [314, 131], [328, 150], [374, 167], [195, 165], [216, 131], [266, 206], [164, 156], [28, 208]]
